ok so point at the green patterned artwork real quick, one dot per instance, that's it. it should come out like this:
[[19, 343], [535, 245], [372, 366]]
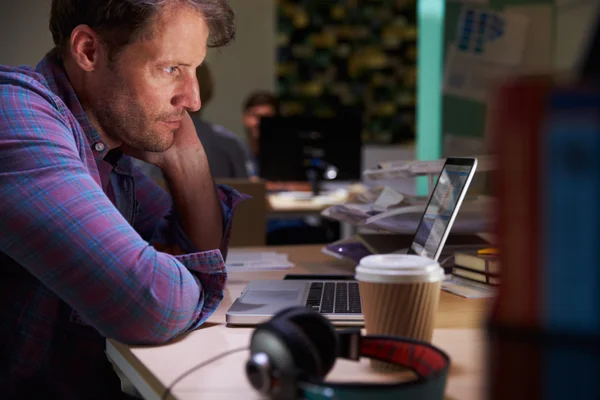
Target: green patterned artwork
[[350, 54]]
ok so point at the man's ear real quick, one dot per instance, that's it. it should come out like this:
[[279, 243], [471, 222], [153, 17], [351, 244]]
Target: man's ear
[[86, 48]]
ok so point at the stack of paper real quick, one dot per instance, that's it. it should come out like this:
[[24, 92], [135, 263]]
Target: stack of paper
[[248, 261], [412, 168], [325, 197], [403, 169], [466, 288], [375, 201], [398, 213]]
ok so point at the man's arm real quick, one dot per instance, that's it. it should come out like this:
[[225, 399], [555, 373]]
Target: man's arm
[[195, 198], [60, 226], [202, 211], [157, 221]]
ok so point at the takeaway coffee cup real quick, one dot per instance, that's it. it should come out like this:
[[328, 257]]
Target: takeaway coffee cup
[[399, 295]]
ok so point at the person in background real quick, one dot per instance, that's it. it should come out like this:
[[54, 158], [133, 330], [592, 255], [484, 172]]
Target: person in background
[[280, 231], [226, 152], [86, 237], [259, 104]]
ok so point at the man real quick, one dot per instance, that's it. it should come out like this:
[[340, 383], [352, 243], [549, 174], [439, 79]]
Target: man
[[280, 231], [80, 225], [258, 105], [226, 153]]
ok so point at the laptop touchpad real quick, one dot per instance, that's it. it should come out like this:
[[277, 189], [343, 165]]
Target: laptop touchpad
[[271, 296]]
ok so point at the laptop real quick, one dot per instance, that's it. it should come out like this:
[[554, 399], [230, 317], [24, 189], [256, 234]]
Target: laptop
[[339, 300]]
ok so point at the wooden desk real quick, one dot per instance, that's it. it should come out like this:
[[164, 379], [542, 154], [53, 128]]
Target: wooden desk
[[152, 369], [280, 204]]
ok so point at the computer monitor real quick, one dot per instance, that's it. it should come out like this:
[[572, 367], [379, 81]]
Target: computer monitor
[[291, 146]]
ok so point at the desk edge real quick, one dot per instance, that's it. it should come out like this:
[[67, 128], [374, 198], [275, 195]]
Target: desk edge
[[135, 371]]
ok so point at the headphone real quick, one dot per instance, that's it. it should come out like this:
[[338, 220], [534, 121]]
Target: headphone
[[291, 354]]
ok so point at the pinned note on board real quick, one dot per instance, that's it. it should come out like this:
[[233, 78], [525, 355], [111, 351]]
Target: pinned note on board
[[491, 36], [489, 45]]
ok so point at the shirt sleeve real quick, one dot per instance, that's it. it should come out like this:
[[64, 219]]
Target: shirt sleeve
[[59, 225], [235, 151], [240, 160], [157, 221]]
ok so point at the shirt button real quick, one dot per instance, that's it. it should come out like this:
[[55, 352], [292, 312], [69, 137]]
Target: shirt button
[[99, 146]]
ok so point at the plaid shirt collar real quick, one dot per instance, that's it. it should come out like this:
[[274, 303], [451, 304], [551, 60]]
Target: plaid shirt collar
[[52, 69]]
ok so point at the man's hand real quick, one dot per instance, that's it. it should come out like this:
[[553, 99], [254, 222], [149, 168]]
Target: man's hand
[[190, 182], [186, 141]]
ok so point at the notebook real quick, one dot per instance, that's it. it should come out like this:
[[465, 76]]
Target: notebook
[[339, 301]]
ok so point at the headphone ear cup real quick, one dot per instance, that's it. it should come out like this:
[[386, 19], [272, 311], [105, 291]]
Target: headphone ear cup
[[318, 330], [305, 356], [278, 359]]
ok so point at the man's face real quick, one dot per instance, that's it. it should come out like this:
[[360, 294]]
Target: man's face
[[252, 118], [140, 98]]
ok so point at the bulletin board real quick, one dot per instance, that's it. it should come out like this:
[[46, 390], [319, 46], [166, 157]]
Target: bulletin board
[[466, 117], [352, 55]]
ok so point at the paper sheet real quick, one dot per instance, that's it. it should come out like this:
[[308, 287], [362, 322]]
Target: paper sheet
[[491, 36], [245, 261], [489, 46], [403, 169], [472, 79], [467, 289], [325, 197], [388, 198]]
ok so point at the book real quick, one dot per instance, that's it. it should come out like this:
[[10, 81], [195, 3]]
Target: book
[[488, 264], [571, 296], [517, 114], [476, 276], [467, 288]]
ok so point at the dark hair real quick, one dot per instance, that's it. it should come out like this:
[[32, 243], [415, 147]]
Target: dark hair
[[261, 98], [121, 22]]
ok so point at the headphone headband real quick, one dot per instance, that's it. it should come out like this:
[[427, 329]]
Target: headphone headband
[[428, 362], [286, 366]]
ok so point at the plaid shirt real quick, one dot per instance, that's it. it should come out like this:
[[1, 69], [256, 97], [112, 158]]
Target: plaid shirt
[[76, 267]]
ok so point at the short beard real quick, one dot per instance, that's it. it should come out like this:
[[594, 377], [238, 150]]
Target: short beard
[[123, 120]]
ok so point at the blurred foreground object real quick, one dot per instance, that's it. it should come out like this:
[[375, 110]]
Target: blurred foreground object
[[544, 328]]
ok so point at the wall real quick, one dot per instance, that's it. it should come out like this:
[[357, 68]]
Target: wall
[[574, 20], [246, 65], [24, 31]]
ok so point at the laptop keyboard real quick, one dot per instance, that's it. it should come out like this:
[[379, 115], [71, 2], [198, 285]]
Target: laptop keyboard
[[334, 297]]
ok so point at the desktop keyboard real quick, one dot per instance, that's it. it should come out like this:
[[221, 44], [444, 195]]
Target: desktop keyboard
[[334, 297]]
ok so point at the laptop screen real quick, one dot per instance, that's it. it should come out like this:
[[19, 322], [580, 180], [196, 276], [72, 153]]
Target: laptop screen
[[443, 205]]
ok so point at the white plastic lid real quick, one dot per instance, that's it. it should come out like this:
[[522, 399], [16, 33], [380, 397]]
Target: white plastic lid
[[398, 268]]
